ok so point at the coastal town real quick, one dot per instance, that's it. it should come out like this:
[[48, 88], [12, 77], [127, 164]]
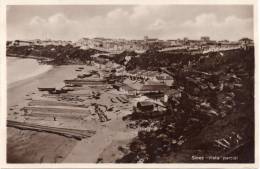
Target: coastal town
[[203, 45], [134, 101]]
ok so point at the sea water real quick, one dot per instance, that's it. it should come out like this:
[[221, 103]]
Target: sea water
[[23, 68]]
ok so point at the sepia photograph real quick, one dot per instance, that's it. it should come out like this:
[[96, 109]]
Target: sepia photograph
[[130, 83]]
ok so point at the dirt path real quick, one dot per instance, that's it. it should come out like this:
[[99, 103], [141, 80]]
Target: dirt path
[[25, 146], [89, 150]]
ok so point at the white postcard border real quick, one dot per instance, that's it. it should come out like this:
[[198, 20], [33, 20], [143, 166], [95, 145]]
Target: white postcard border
[[3, 88]]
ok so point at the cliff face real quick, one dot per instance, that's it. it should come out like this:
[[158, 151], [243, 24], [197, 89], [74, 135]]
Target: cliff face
[[58, 54], [233, 129]]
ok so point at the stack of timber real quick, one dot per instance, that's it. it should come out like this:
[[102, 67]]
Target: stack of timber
[[71, 133]]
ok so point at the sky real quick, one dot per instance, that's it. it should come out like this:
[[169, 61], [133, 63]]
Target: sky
[[72, 22]]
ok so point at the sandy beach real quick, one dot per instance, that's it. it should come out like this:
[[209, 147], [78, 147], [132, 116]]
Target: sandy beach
[[22, 141], [108, 135]]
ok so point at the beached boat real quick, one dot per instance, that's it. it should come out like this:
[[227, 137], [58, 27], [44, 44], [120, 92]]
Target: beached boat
[[60, 91], [84, 75], [73, 85], [87, 74], [46, 89], [86, 82]]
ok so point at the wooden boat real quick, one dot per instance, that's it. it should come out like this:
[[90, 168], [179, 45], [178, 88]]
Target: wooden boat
[[46, 89]]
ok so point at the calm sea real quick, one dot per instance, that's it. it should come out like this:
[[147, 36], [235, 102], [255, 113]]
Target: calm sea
[[23, 68]]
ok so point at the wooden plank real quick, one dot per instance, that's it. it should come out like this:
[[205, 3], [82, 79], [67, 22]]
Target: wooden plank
[[72, 133], [56, 111], [57, 108], [52, 103]]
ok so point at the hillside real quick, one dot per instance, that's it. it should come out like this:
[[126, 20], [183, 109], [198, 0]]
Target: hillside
[[57, 54], [209, 114]]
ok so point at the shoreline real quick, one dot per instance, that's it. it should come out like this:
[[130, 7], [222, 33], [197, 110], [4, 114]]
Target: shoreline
[[113, 131], [40, 69], [25, 80], [55, 75], [18, 94], [25, 56]]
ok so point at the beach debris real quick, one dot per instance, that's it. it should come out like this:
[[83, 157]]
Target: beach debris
[[110, 109], [113, 100], [101, 113], [100, 160], [122, 100]]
